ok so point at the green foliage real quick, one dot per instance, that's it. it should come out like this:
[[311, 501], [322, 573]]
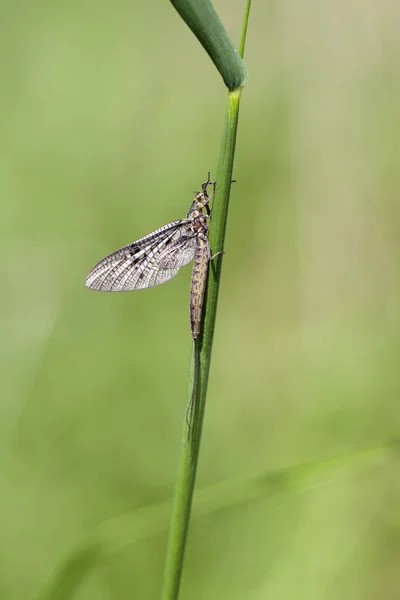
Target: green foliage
[[202, 19], [202, 349]]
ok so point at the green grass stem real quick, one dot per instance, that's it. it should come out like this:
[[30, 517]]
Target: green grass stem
[[190, 451]]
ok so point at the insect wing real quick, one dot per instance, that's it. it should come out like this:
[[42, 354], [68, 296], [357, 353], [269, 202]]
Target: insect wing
[[147, 262], [167, 261]]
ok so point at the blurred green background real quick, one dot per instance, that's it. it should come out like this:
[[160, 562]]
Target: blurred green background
[[111, 115]]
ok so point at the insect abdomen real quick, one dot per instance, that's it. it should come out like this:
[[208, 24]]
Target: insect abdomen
[[197, 288]]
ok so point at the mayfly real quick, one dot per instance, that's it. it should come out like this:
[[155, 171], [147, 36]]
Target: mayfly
[[158, 256]]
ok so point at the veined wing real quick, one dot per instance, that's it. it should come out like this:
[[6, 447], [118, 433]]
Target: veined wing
[[147, 262]]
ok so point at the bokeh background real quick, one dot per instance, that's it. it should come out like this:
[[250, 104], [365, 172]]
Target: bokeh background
[[111, 115]]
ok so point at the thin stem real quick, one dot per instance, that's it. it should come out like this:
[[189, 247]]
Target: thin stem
[[244, 28], [190, 451]]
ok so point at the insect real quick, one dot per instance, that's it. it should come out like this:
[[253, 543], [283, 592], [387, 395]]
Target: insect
[[158, 256]]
